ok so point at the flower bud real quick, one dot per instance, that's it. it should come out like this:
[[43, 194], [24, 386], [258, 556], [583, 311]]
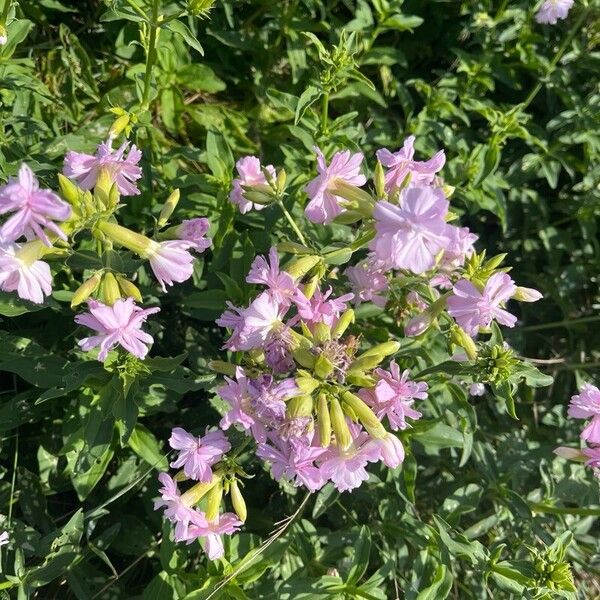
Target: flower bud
[[69, 191], [120, 124], [304, 357], [461, 338], [136, 242], [301, 341], [323, 421], [299, 267], [200, 8], [365, 363], [379, 180], [345, 320], [198, 491], [110, 289], [321, 333], [293, 248], [419, 324], [281, 181], [220, 366], [257, 197], [86, 289], [239, 505], [213, 501], [323, 367], [361, 201], [525, 294], [307, 384], [338, 422], [103, 188], [384, 349], [311, 287], [365, 415], [168, 208], [129, 289], [570, 453], [300, 406]]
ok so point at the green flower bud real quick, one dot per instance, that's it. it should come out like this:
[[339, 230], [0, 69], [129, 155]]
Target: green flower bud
[[120, 124], [360, 200], [200, 8], [213, 500], [280, 181], [293, 248], [168, 208], [304, 357], [129, 289], [300, 406], [345, 320], [300, 341], [360, 380], [299, 267], [311, 287], [365, 415], [110, 291], [239, 505], [338, 422], [461, 338], [323, 421], [257, 197], [323, 367], [69, 191], [86, 289], [384, 349], [365, 363], [136, 242], [321, 333], [198, 491], [307, 384], [220, 366]]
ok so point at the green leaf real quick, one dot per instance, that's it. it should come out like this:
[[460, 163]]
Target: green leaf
[[440, 587], [186, 33], [308, 97], [145, 445], [360, 561]]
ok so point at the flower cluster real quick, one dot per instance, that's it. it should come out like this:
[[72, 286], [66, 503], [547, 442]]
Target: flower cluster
[[318, 403], [41, 223], [586, 405]]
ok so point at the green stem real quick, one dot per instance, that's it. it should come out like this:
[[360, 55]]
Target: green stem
[[561, 510], [559, 54], [150, 56], [5, 10], [324, 112], [564, 323], [292, 223]]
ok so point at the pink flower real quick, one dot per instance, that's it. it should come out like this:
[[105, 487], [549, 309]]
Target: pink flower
[[238, 395], [476, 389], [418, 324], [31, 279], [197, 454], [460, 247], [85, 169], [293, 460], [346, 467], [321, 308], [194, 231], [281, 285], [171, 262], [34, 209], [119, 324], [401, 163], [593, 456], [411, 235], [473, 309], [175, 510], [250, 173], [211, 532], [4, 539], [552, 10], [367, 281], [324, 204], [391, 450], [253, 326], [586, 405], [393, 396]]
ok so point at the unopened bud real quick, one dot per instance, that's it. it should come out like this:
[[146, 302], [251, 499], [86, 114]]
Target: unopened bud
[[119, 126], [299, 267], [136, 242], [198, 491], [129, 289], [323, 367], [365, 415], [418, 325], [570, 453], [365, 363], [239, 505], [525, 294], [448, 190], [360, 200], [293, 248], [168, 208], [338, 422], [461, 338], [200, 8], [360, 380], [384, 349], [68, 190], [379, 180], [258, 197], [281, 181], [300, 406], [311, 287], [110, 289], [86, 289], [321, 333], [213, 501], [220, 366], [343, 323], [103, 187], [304, 357], [323, 421], [307, 384]]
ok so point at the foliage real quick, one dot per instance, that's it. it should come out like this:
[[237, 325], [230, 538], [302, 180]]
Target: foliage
[[481, 505]]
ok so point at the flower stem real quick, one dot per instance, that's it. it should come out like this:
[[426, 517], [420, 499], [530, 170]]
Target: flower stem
[[562, 510], [292, 222], [324, 112], [5, 10], [150, 56]]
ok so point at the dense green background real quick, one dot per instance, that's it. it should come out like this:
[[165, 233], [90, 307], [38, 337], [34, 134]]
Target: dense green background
[[515, 105]]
